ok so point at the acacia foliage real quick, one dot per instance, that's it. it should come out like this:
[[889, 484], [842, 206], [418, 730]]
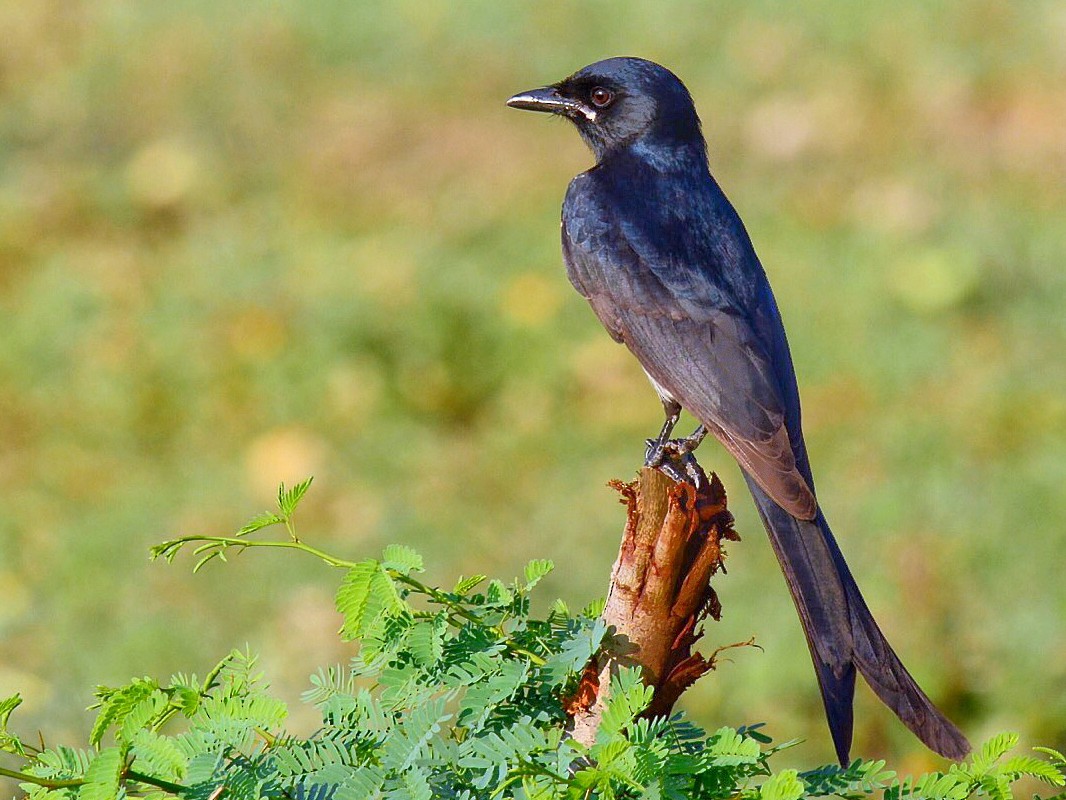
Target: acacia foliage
[[451, 693]]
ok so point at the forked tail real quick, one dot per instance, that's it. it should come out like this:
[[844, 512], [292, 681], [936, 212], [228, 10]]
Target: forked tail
[[843, 635]]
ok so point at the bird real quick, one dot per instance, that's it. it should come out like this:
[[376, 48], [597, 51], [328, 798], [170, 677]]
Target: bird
[[651, 241]]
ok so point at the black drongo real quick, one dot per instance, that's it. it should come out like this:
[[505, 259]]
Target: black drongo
[[653, 244]]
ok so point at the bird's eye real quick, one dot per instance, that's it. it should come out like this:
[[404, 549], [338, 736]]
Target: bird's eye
[[601, 98]]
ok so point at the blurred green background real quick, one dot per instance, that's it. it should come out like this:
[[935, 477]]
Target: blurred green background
[[241, 243]]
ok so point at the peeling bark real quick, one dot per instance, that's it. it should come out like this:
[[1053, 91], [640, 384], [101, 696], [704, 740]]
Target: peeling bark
[[660, 593]]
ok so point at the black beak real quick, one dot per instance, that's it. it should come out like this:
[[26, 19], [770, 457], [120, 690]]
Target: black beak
[[548, 99]]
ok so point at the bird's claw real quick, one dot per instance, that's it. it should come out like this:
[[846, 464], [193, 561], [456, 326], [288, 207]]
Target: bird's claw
[[674, 458]]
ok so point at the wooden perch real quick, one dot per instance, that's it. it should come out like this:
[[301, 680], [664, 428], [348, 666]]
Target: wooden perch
[[660, 593]]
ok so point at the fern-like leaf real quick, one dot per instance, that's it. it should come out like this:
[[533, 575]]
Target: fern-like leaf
[[116, 704], [9, 743], [411, 735], [258, 522], [142, 715], [103, 776], [581, 641], [726, 747], [402, 559], [63, 763], [1034, 767], [366, 595], [466, 585], [159, 756], [288, 499], [628, 697], [426, 640], [785, 785], [992, 750], [535, 570]]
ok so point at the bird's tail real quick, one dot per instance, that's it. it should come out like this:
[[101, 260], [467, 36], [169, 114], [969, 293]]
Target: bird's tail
[[843, 635]]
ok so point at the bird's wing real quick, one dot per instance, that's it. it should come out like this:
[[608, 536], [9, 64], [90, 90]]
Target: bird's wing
[[708, 358]]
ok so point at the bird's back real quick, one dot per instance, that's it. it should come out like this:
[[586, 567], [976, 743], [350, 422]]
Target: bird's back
[[659, 233]]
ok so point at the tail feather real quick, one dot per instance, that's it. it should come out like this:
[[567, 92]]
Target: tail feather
[[844, 637]]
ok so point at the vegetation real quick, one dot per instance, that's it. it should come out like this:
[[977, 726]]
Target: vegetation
[[246, 242], [453, 694]]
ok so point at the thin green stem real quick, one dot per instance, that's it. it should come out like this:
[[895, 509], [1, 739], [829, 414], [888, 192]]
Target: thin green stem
[[70, 783], [209, 680], [48, 783], [456, 610], [290, 526], [159, 783], [232, 541], [205, 687]]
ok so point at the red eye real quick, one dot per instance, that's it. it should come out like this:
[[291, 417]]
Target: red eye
[[601, 97]]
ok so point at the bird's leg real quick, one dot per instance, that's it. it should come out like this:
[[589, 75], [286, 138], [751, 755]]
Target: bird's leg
[[673, 457], [655, 450]]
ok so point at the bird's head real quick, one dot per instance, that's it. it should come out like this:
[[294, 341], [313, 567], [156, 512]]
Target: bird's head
[[620, 102]]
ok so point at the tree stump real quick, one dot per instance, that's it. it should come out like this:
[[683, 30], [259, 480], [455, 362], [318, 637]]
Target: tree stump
[[660, 593]]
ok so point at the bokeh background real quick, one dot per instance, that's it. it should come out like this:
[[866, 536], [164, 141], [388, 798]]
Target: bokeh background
[[242, 243]]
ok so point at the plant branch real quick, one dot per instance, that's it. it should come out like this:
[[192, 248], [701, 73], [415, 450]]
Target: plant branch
[[217, 545], [159, 783], [70, 783], [48, 783]]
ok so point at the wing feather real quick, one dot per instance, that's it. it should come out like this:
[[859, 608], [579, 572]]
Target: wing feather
[[708, 358]]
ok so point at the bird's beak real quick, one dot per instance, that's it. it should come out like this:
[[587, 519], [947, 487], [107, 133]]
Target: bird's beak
[[548, 99]]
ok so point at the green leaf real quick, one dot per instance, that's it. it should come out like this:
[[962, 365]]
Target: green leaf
[[426, 640], [535, 570], [1034, 767], [348, 783], [594, 610], [366, 596], [785, 785], [238, 672], [103, 775], [559, 613], [260, 521], [484, 698], [288, 499], [1055, 754], [116, 704], [411, 734], [158, 756], [465, 585], [935, 786], [994, 749], [859, 777], [142, 715], [726, 747], [628, 697], [9, 743], [498, 594], [63, 763], [416, 784], [575, 650], [7, 705], [450, 698], [401, 559]]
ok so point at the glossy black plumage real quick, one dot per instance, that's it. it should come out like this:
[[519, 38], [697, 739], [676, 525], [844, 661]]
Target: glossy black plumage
[[655, 247]]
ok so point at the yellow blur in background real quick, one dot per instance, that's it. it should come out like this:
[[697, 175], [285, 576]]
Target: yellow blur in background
[[245, 243]]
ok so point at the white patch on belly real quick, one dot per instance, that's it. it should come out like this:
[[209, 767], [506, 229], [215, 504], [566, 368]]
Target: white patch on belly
[[665, 396]]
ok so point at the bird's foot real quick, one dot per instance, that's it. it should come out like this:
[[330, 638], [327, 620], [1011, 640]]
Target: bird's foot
[[674, 458]]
